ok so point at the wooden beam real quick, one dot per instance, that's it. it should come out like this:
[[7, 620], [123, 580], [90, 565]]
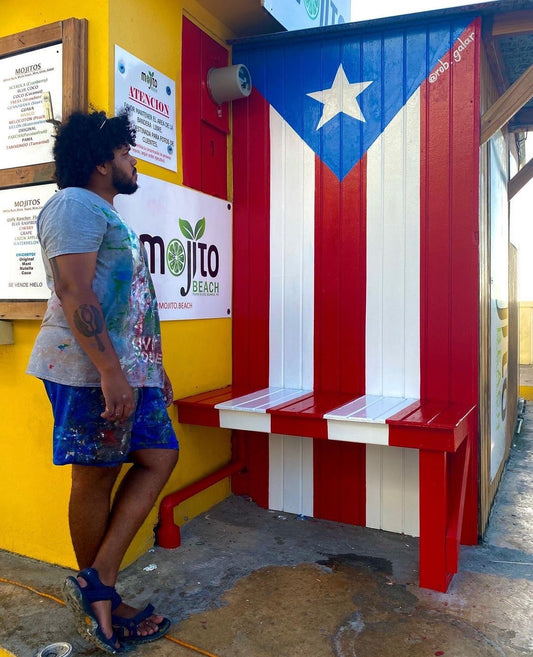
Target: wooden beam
[[507, 105], [74, 65], [520, 179], [22, 309], [37, 37], [28, 175], [513, 23]]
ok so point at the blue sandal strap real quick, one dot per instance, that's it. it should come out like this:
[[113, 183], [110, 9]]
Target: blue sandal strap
[[127, 629], [95, 591], [132, 623]]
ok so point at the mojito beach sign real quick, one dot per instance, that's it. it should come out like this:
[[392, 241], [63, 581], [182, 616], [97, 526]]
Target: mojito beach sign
[[187, 237]]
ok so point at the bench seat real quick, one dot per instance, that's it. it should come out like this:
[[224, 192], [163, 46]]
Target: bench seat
[[369, 419], [440, 431]]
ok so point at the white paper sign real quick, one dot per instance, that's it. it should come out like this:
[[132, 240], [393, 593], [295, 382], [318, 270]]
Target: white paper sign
[[188, 240], [25, 137], [21, 267], [151, 98]]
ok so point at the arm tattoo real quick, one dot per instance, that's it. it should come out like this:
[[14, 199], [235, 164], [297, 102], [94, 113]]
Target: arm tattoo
[[55, 270], [89, 322]]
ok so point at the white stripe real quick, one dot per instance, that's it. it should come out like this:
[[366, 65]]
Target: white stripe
[[292, 232], [393, 310], [393, 257], [291, 474], [392, 489]]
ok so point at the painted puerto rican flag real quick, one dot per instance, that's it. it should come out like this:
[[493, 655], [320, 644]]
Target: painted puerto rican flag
[[353, 158]]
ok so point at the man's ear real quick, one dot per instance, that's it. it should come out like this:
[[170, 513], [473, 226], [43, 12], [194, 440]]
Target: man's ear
[[103, 168]]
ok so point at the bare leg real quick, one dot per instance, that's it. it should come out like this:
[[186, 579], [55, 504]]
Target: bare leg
[[90, 502], [133, 501]]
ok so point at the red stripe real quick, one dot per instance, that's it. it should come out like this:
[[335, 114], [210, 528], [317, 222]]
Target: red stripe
[[339, 481], [251, 231], [339, 343], [340, 280], [251, 240], [449, 245]]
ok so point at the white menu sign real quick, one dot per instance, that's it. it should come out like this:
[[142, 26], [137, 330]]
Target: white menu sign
[[150, 97], [25, 137], [21, 267]]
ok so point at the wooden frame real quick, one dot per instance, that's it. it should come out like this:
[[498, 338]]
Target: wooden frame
[[72, 33]]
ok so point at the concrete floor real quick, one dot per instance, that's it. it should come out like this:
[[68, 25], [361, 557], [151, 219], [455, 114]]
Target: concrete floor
[[247, 582]]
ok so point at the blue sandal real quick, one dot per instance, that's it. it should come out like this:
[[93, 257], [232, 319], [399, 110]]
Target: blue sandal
[[127, 629], [79, 601]]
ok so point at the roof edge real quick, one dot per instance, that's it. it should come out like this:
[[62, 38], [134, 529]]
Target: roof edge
[[330, 31]]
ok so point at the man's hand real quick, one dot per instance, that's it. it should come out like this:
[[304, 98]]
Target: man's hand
[[119, 396], [168, 392]]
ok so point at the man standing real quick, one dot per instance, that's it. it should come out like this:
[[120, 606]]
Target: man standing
[[99, 355]]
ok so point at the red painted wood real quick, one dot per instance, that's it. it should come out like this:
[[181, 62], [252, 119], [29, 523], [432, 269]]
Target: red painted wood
[[206, 416], [251, 265], [254, 482], [213, 55], [433, 467], [339, 481], [204, 138], [209, 397], [469, 530], [443, 431], [304, 416], [190, 111], [340, 275], [251, 240], [299, 425], [458, 489], [435, 220], [214, 161], [452, 416], [449, 246], [439, 440], [465, 204], [315, 404]]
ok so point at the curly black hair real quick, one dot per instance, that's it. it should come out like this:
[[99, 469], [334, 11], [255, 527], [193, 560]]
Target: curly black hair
[[86, 140]]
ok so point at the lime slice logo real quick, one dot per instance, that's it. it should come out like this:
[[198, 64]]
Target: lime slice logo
[[175, 257], [312, 7]]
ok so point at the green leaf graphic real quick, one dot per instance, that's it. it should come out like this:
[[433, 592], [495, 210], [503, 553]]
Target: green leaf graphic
[[199, 229], [186, 229]]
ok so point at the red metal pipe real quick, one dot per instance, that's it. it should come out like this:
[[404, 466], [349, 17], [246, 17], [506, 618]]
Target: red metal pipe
[[168, 533]]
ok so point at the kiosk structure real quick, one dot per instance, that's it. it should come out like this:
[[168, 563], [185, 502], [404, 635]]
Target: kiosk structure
[[371, 364]]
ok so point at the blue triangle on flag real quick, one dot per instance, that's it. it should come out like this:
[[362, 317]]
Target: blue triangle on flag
[[393, 64]]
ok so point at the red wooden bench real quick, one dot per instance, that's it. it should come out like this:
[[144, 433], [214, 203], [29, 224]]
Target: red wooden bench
[[440, 431]]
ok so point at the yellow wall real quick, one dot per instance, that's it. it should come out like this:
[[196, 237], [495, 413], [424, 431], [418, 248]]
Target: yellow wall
[[526, 354], [197, 354], [526, 321]]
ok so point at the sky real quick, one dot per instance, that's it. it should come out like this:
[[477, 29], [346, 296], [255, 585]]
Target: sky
[[521, 204]]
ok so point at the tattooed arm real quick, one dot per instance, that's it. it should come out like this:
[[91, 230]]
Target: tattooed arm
[[73, 278]]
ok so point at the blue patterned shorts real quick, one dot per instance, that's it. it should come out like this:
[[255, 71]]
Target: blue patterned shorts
[[82, 437]]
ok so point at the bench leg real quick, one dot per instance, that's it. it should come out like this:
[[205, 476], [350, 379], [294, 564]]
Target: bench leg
[[434, 514]]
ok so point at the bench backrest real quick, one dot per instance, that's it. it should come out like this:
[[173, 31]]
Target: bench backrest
[[356, 260]]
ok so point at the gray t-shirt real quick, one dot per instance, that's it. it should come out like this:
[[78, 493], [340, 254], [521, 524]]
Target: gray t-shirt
[[76, 220]]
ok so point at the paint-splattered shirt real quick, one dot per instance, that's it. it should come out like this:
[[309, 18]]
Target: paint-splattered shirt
[[76, 220]]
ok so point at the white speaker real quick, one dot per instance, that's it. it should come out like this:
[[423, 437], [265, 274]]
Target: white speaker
[[229, 83]]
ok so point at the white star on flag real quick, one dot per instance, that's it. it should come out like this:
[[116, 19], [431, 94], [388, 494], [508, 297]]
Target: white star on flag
[[340, 97]]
